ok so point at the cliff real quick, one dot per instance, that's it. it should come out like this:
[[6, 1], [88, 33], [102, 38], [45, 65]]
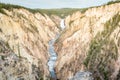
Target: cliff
[[90, 42], [25, 34], [87, 48]]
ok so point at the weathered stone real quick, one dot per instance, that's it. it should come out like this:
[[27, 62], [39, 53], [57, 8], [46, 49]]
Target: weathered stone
[[90, 41]]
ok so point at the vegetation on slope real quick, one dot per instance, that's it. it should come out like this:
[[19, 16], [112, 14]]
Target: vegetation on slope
[[103, 51], [112, 2], [59, 12], [63, 12], [8, 7]]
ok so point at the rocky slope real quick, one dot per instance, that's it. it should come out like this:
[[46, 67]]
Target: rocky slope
[[26, 34], [13, 67], [90, 42]]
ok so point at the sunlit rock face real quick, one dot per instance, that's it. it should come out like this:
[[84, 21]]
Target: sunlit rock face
[[90, 42], [28, 34], [82, 76], [13, 67]]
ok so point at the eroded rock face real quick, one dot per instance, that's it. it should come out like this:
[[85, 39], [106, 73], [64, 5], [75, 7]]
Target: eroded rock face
[[82, 76], [27, 35], [90, 41], [13, 67]]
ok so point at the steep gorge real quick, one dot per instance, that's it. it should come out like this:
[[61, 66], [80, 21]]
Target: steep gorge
[[89, 42], [26, 34]]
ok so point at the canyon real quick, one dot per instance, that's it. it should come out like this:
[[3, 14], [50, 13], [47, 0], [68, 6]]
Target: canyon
[[90, 42], [81, 46], [27, 35]]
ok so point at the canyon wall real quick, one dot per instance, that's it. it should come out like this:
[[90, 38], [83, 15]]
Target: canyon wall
[[25, 35], [90, 42]]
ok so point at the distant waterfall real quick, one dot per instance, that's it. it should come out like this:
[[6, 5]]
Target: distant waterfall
[[62, 24], [53, 55]]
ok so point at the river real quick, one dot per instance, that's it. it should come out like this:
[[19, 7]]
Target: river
[[53, 55]]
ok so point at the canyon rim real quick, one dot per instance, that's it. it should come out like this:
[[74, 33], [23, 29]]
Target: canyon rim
[[60, 44]]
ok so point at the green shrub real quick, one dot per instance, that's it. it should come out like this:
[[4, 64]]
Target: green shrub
[[103, 50], [112, 2], [59, 12]]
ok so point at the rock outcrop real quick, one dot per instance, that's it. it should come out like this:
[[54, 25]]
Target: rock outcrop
[[87, 48], [13, 67], [90, 42], [27, 34], [82, 76]]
